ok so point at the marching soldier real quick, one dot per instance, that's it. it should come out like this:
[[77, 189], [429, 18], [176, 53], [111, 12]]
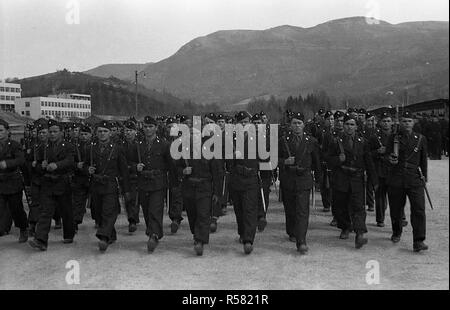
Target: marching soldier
[[106, 164], [152, 168], [350, 160], [175, 191], [379, 141], [244, 186], [11, 184], [265, 176], [80, 179], [201, 187], [368, 131], [408, 161], [298, 157], [329, 139], [325, 189], [55, 163], [130, 148]]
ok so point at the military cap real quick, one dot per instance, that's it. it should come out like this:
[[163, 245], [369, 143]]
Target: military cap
[[243, 115], [130, 125], [85, 128], [362, 111], [351, 110], [385, 114], [4, 123], [338, 114], [369, 115], [41, 125], [256, 117], [348, 117], [328, 114], [160, 118], [171, 120], [149, 120], [407, 114], [31, 126], [105, 124], [321, 111], [220, 116], [76, 125], [183, 118], [211, 116], [52, 122], [297, 115], [178, 116], [262, 113]]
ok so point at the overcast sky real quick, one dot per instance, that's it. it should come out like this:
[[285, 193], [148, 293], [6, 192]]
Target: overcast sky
[[38, 37]]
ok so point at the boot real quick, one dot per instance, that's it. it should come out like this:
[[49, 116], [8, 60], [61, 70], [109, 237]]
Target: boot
[[360, 240], [23, 236]]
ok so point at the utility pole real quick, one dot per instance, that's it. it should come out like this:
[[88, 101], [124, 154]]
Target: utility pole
[[136, 93]]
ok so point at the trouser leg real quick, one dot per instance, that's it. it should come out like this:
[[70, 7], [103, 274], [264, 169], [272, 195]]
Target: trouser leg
[[176, 204], [33, 214], [341, 202], [381, 200], [132, 206], [416, 198], [47, 208], [155, 212], [250, 214], [397, 201], [65, 206], [79, 196], [358, 212], [5, 216], [237, 197], [301, 215], [203, 215], [17, 211], [108, 212], [289, 211]]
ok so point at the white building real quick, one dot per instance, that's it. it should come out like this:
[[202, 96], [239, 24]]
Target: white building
[[8, 94], [62, 106]]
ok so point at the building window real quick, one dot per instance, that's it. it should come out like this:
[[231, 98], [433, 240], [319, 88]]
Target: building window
[[2, 97], [23, 113], [27, 104], [2, 89], [7, 89]]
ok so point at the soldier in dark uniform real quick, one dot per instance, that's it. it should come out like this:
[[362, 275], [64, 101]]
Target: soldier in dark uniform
[[201, 186], [175, 191], [129, 145], [378, 142], [265, 176], [298, 157], [369, 131], [153, 169], [244, 185], [350, 160], [107, 163], [325, 189], [408, 158], [445, 134], [329, 139], [54, 164], [11, 185], [80, 179]]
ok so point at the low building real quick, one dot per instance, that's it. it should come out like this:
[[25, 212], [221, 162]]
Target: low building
[[9, 92], [61, 106]]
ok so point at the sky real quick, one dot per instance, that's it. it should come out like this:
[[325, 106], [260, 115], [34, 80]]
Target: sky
[[38, 37]]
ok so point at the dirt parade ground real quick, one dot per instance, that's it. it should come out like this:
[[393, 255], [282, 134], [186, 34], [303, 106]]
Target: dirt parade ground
[[274, 264]]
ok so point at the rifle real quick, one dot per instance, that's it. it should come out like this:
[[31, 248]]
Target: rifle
[[262, 192], [138, 145], [24, 188], [422, 177]]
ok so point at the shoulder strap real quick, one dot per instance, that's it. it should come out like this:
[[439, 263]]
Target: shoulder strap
[[109, 159]]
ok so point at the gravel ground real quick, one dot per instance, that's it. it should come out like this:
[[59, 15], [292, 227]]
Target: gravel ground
[[274, 264]]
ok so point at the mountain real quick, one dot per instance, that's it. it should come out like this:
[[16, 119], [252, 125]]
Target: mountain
[[346, 58], [120, 71], [108, 95]]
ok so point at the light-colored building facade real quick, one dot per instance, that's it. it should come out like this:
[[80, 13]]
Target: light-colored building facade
[[62, 106], [9, 92]]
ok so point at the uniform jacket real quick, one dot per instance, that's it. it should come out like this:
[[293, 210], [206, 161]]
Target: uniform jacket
[[411, 156], [10, 179], [298, 177], [349, 175]]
